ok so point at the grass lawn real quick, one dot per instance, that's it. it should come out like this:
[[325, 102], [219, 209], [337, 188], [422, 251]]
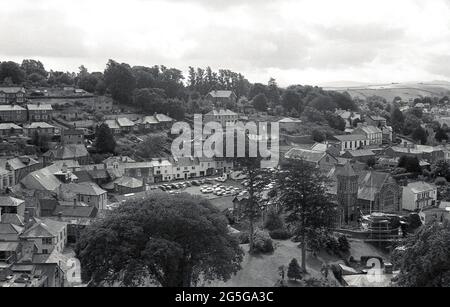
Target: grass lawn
[[262, 270]]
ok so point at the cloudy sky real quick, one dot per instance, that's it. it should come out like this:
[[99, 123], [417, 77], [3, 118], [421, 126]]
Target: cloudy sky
[[295, 41]]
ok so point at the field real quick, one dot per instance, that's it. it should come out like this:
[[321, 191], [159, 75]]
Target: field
[[406, 91]]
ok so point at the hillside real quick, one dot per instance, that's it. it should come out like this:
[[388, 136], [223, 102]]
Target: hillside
[[406, 91]]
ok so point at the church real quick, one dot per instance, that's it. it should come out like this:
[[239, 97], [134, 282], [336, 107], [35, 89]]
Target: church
[[363, 192]]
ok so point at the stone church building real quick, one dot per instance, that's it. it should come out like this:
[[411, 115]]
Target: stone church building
[[363, 192]]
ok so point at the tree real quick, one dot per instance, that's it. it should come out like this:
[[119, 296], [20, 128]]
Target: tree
[[294, 271], [173, 241], [291, 100], [411, 164], [318, 136], [424, 260], [335, 121], [442, 169], [33, 67], [152, 147], [11, 70], [397, 120], [105, 142], [441, 135], [411, 123], [302, 189], [313, 115], [420, 135], [273, 221], [120, 81], [260, 102], [323, 103], [371, 162]]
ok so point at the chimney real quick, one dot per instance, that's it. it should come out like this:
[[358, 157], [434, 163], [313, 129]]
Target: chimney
[[60, 216], [74, 202]]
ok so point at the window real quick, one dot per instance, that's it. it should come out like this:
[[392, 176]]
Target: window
[[45, 251], [47, 241]]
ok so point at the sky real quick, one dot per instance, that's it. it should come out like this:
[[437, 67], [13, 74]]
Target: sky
[[295, 41]]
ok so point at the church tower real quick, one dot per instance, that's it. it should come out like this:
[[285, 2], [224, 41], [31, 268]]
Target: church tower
[[347, 193]]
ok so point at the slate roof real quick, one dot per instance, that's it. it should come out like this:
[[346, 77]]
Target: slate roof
[[360, 153], [69, 151], [350, 137], [8, 201], [44, 229], [112, 124], [9, 126], [42, 180], [163, 118], [8, 246], [8, 229], [221, 112], [39, 107], [125, 122], [221, 94], [420, 187], [8, 107], [305, 154], [84, 188], [12, 90], [75, 211], [37, 125], [15, 219]]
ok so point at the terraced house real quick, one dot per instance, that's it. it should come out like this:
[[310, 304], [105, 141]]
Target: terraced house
[[12, 114], [11, 95], [39, 112]]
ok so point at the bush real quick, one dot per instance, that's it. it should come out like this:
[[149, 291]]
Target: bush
[[294, 270], [244, 238], [280, 234], [273, 221], [262, 243], [440, 181], [344, 245]]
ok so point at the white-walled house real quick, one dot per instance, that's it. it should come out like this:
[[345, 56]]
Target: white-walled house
[[418, 195], [352, 141]]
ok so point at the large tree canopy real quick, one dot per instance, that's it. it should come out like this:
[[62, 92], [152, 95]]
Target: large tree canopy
[[171, 241], [425, 259]]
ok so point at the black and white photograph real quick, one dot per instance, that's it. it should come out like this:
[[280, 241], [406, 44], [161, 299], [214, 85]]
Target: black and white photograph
[[225, 150]]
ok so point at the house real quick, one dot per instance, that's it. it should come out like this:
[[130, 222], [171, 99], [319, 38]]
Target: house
[[10, 129], [319, 159], [289, 124], [12, 114], [422, 152], [351, 141], [155, 122], [20, 167], [440, 213], [10, 232], [349, 117], [77, 152], [103, 104], [113, 125], [376, 121], [86, 192], [39, 112], [125, 185], [373, 134], [72, 136], [32, 275], [245, 107], [41, 128], [222, 117], [162, 170], [6, 179], [333, 148], [47, 234], [361, 155], [12, 95], [125, 124], [222, 98], [11, 205], [419, 195]]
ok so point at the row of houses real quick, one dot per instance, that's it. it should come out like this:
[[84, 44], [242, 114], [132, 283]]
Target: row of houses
[[14, 113], [42, 128], [148, 123]]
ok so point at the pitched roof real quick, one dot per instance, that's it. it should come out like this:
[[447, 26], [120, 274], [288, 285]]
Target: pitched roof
[[8, 201], [10, 218], [221, 94], [350, 137], [129, 182], [44, 228], [360, 153], [8, 126], [221, 112], [112, 124], [42, 180], [12, 90], [84, 188], [163, 118], [8, 246], [346, 171], [125, 122], [369, 129], [8, 229], [75, 211], [9, 107], [420, 187], [151, 120], [289, 120], [37, 125], [39, 107], [69, 151], [305, 154]]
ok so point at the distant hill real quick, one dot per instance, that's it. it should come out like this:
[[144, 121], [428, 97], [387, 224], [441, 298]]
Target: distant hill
[[406, 91]]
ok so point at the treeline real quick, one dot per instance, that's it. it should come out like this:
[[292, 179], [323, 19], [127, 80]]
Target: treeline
[[165, 90]]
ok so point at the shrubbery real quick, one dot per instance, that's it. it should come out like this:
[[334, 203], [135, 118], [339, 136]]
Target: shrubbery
[[262, 243], [280, 234]]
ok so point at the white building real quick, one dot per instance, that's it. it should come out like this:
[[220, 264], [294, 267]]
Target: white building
[[418, 195], [352, 141]]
